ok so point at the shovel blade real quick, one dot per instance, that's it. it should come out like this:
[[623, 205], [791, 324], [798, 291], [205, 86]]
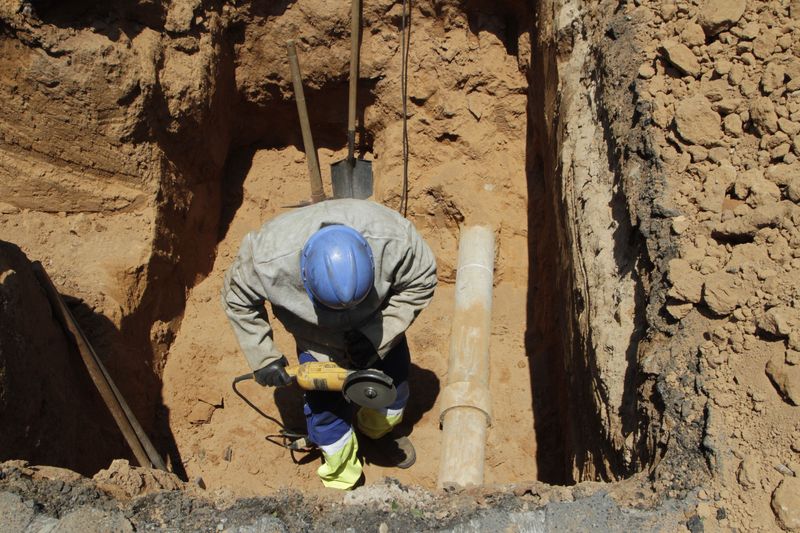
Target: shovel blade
[[352, 179]]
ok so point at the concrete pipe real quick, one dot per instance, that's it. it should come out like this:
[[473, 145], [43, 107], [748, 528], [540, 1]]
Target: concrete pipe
[[465, 400]]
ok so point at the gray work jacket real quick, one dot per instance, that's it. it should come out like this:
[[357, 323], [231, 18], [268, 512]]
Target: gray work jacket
[[267, 269]]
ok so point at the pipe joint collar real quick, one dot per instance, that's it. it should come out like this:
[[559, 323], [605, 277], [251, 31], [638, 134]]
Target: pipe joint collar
[[466, 394]]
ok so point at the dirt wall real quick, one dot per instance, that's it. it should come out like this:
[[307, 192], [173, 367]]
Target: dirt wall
[[594, 276], [49, 410], [116, 128]]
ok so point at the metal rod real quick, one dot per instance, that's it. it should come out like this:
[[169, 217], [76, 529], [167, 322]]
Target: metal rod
[[466, 402], [317, 193], [143, 450]]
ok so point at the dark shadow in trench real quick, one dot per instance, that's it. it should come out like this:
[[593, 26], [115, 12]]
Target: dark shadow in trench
[[50, 410], [277, 125], [551, 301], [545, 334], [273, 121], [237, 166], [108, 18], [132, 372]]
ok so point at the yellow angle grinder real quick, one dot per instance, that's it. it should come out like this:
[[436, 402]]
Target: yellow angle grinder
[[368, 388]]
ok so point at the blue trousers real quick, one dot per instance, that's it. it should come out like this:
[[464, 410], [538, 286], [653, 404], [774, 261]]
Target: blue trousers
[[329, 416]]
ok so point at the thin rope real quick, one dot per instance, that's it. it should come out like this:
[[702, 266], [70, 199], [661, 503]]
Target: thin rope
[[406, 41], [254, 406]]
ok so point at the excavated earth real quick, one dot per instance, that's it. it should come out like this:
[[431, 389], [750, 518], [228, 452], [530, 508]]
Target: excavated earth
[[639, 163]]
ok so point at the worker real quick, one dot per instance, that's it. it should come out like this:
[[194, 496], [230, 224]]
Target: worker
[[346, 278]]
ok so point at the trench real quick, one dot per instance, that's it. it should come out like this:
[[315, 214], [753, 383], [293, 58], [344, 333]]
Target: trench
[[508, 148]]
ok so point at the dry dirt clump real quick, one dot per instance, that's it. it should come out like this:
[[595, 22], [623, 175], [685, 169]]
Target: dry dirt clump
[[128, 481], [726, 117]]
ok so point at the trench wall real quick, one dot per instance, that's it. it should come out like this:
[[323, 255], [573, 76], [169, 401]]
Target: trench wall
[[598, 248]]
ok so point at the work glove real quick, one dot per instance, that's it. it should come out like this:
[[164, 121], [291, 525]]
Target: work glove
[[359, 349], [274, 374]]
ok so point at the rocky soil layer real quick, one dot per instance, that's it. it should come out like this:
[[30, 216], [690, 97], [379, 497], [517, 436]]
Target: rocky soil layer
[[720, 93], [124, 499]]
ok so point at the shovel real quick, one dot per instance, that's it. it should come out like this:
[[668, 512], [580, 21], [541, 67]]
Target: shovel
[[351, 177], [317, 194]]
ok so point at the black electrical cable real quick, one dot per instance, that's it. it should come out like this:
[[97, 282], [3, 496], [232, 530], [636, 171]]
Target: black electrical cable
[[406, 39], [287, 438], [245, 377]]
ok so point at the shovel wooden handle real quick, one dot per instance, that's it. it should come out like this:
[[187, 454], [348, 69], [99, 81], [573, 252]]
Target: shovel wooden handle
[[351, 115], [317, 193]]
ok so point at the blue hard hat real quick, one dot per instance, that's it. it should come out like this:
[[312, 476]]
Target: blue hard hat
[[337, 267]]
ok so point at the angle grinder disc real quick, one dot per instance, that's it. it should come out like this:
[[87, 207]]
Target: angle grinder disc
[[369, 388]]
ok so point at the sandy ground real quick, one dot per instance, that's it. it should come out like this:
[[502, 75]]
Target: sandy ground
[[222, 440]]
